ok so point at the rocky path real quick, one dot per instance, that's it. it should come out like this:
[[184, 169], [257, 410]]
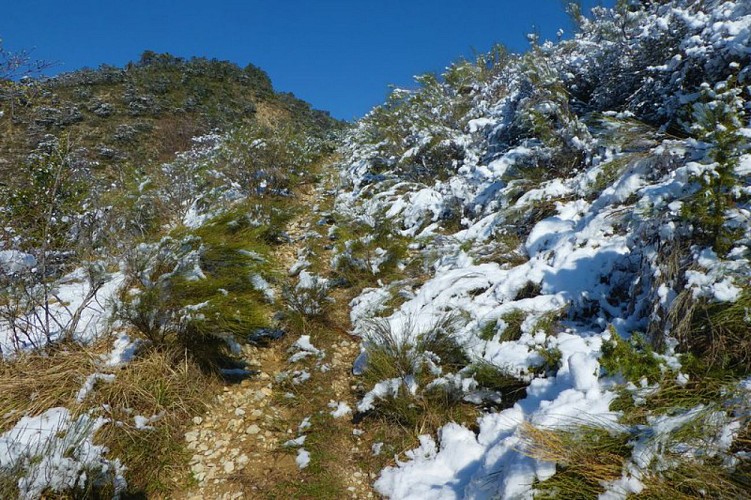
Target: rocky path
[[286, 431]]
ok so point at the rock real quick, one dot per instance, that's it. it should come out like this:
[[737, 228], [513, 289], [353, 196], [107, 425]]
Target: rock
[[197, 420], [239, 412], [253, 429], [197, 468], [191, 436], [229, 467], [256, 414]]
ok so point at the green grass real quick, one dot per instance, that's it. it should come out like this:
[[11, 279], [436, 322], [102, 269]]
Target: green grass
[[634, 359], [497, 378], [513, 329]]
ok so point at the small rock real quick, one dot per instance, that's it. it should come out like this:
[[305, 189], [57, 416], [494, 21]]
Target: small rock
[[239, 412], [229, 467], [256, 414], [191, 436], [253, 429], [197, 420]]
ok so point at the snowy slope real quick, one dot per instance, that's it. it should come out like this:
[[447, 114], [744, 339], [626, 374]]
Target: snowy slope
[[555, 184]]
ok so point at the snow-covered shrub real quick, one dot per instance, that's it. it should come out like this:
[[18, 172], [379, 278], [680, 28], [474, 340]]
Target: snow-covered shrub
[[408, 371], [606, 177], [310, 296], [197, 290], [45, 199], [54, 453], [718, 121], [365, 253]]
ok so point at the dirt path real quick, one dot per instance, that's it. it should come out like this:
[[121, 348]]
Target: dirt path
[[250, 443]]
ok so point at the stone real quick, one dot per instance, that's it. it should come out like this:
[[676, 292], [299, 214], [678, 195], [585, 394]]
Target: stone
[[239, 412], [229, 467], [253, 429], [191, 436], [256, 414], [197, 420]]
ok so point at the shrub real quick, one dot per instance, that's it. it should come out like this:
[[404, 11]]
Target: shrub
[[411, 361], [633, 359], [196, 291]]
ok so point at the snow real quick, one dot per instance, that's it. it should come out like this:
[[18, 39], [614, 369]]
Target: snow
[[123, 350], [303, 458], [54, 451], [13, 261], [340, 409], [304, 348], [295, 443], [91, 380], [69, 310], [263, 286]]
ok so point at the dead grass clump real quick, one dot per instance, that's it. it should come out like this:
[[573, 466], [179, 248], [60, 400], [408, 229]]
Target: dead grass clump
[[32, 383], [718, 333], [586, 457], [168, 388]]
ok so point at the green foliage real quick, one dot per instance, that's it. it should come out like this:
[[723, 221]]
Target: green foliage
[[513, 321], [717, 120], [44, 201], [195, 289], [552, 358], [634, 359]]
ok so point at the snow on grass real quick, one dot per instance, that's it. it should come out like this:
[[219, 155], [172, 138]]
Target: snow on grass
[[123, 350], [591, 239], [68, 308], [54, 451]]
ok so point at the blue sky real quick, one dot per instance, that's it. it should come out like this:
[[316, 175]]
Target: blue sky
[[339, 55]]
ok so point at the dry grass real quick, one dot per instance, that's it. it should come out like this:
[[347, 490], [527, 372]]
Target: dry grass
[[699, 479], [585, 456], [157, 383], [32, 383], [162, 383]]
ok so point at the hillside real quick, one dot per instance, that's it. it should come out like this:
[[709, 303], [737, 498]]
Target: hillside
[[527, 277]]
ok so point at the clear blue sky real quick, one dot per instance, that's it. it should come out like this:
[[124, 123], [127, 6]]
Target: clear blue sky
[[339, 55]]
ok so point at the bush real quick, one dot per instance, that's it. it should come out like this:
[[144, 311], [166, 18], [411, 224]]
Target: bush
[[412, 361], [633, 359], [196, 291]]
